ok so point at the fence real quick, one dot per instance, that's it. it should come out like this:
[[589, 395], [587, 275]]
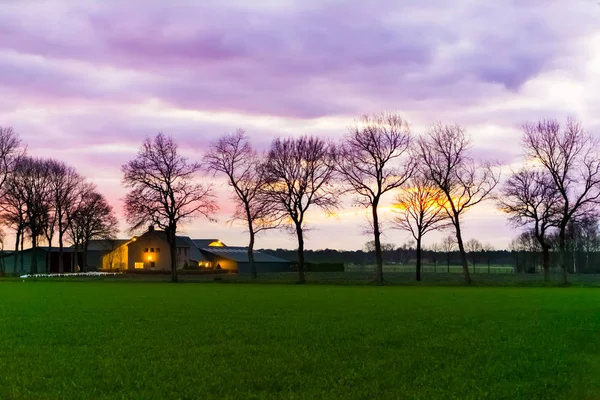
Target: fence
[[478, 269]]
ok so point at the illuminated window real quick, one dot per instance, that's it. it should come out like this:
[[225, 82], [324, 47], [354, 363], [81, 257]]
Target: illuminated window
[[139, 265]]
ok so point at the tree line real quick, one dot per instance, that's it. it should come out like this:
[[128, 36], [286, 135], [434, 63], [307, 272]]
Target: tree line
[[45, 201], [435, 177]]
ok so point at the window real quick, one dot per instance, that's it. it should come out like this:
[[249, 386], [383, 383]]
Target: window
[[158, 249], [139, 265], [152, 250], [146, 250]]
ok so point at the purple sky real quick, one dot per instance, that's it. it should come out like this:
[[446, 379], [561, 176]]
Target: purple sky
[[86, 81]]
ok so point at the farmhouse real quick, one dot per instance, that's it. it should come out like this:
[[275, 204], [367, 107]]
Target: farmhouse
[[151, 252]]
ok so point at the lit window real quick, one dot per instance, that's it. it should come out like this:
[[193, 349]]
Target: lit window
[[139, 265]]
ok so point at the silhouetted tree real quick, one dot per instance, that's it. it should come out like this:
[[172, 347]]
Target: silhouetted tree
[[233, 156], [373, 160], [11, 149], [448, 245], [65, 187], [299, 174], [488, 248], [419, 212], [530, 199], [93, 218], [163, 190], [28, 187], [570, 156], [473, 246], [445, 160]]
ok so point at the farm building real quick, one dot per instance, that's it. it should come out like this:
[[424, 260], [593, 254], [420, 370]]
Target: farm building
[[98, 249], [236, 258], [151, 252], [46, 258]]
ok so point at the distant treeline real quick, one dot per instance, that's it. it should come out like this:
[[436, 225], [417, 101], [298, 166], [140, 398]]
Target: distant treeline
[[522, 261]]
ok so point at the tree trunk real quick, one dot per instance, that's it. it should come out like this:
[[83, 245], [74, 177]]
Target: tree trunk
[[85, 255], [562, 252], [49, 254], [251, 253], [18, 253], [61, 256], [378, 254], [463, 254], [33, 255], [587, 259], [171, 237], [419, 259], [546, 262], [75, 262], [299, 233], [22, 246]]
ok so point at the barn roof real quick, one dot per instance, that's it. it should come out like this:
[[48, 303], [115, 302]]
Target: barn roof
[[240, 254]]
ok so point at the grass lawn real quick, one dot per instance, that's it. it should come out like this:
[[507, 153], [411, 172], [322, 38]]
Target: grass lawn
[[156, 340]]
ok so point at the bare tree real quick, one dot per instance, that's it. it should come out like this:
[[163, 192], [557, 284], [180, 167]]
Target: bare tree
[[13, 214], [10, 151], [419, 212], [233, 156], [526, 242], [588, 235], [445, 160], [435, 248], [571, 158], [67, 190], [448, 245], [373, 160], [163, 191], [488, 248], [531, 200], [31, 184], [93, 218], [299, 174], [473, 246]]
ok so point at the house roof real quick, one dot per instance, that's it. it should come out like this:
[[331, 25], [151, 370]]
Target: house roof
[[201, 243], [41, 248], [240, 254], [105, 244], [195, 253]]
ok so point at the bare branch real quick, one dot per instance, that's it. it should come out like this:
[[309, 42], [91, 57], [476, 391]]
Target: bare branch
[[163, 191]]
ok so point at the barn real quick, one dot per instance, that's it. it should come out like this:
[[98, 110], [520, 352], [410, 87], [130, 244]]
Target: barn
[[46, 260], [236, 259]]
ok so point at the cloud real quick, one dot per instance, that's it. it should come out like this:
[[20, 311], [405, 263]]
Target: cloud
[[87, 81]]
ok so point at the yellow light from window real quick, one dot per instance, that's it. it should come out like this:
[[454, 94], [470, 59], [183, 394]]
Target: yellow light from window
[[149, 258], [216, 243]]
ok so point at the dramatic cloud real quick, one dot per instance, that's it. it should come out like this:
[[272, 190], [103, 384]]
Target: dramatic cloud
[[86, 81]]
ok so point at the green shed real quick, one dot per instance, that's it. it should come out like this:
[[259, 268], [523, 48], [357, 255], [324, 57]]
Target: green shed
[[47, 260]]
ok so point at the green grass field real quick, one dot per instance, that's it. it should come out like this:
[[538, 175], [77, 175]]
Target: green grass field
[[156, 340]]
